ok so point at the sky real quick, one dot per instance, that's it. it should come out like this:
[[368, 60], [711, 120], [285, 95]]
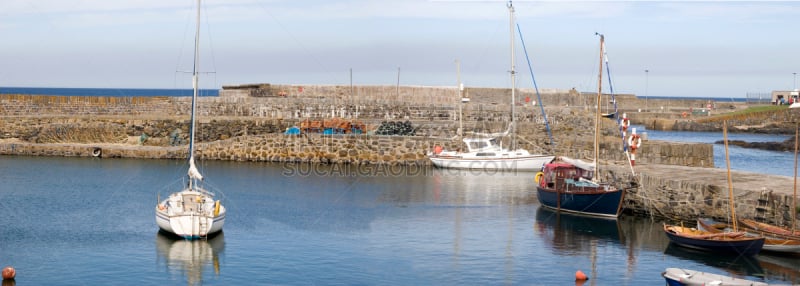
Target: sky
[[722, 49]]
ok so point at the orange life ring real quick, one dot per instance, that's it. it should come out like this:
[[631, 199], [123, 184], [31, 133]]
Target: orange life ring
[[684, 114]]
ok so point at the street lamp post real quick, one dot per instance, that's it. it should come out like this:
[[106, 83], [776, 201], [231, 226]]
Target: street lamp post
[[460, 88], [794, 95], [646, 83]]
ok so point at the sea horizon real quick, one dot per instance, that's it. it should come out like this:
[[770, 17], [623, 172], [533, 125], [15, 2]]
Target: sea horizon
[[128, 91], [97, 91]]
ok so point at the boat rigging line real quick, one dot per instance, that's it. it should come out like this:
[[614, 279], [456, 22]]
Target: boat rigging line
[[535, 87]]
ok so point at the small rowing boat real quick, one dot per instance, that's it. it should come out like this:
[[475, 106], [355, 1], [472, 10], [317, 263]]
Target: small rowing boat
[[687, 277]]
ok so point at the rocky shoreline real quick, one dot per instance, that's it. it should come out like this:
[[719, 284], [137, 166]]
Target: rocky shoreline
[[786, 146]]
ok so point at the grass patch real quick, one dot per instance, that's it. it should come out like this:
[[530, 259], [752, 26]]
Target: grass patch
[[759, 109], [768, 107], [750, 112]]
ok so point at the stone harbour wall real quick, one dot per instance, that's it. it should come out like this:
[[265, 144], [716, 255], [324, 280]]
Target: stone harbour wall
[[684, 194], [311, 148]]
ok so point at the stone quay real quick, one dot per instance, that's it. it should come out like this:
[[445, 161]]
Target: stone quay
[[677, 181]]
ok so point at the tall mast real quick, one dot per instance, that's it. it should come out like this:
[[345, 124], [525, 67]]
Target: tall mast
[[193, 172], [730, 182], [597, 112], [513, 76]]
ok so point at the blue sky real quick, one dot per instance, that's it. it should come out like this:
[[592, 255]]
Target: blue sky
[[691, 48]]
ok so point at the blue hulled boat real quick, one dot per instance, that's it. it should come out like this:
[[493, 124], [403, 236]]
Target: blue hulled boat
[[727, 243], [566, 185]]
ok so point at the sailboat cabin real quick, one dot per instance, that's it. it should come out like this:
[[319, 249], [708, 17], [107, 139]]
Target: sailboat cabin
[[565, 176], [482, 144]]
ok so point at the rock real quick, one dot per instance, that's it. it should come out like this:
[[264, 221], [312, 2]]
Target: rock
[[787, 146]]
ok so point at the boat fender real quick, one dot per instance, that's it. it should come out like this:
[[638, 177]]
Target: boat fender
[[216, 208], [97, 152], [538, 177]]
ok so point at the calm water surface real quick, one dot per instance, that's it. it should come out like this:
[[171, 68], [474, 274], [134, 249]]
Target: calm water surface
[[88, 221], [743, 159]]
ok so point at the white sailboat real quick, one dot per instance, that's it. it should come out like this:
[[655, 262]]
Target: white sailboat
[[193, 212], [484, 151]]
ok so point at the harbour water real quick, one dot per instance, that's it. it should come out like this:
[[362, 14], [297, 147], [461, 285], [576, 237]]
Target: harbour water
[[742, 159], [90, 221]]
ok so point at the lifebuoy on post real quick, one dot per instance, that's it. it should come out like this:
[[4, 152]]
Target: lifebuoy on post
[[634, 142], [97, 152], [625, 122]]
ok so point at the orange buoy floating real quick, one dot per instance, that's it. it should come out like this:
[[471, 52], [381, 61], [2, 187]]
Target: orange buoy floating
[[580, 276], [9, 273]]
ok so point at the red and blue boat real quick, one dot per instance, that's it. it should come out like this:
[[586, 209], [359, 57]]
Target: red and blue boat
[[567, 185]]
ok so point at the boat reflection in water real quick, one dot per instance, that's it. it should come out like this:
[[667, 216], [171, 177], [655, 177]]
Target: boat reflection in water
[[576, 235], [570, 234], [783, 267], [737, 265], [190, 257]]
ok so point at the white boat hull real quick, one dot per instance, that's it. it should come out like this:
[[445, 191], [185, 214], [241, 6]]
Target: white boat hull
[[190, 214], [686, 277], [782, 248], [500, 163], [190, 227]]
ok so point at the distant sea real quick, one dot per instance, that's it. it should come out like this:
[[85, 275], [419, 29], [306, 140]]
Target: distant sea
[[721, 99], [62, 91], [77, 91]]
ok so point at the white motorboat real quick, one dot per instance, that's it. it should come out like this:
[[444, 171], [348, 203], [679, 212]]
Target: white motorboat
[[487, 154]]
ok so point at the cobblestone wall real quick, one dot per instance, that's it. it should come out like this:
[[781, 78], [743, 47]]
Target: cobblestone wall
[[23, 105], [682, 196], [434, 111], [314, 148]]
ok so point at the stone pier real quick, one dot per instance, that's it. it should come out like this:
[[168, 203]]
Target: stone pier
[[246, 123]]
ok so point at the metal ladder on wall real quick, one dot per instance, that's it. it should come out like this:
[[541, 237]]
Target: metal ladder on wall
[[764, 210]]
